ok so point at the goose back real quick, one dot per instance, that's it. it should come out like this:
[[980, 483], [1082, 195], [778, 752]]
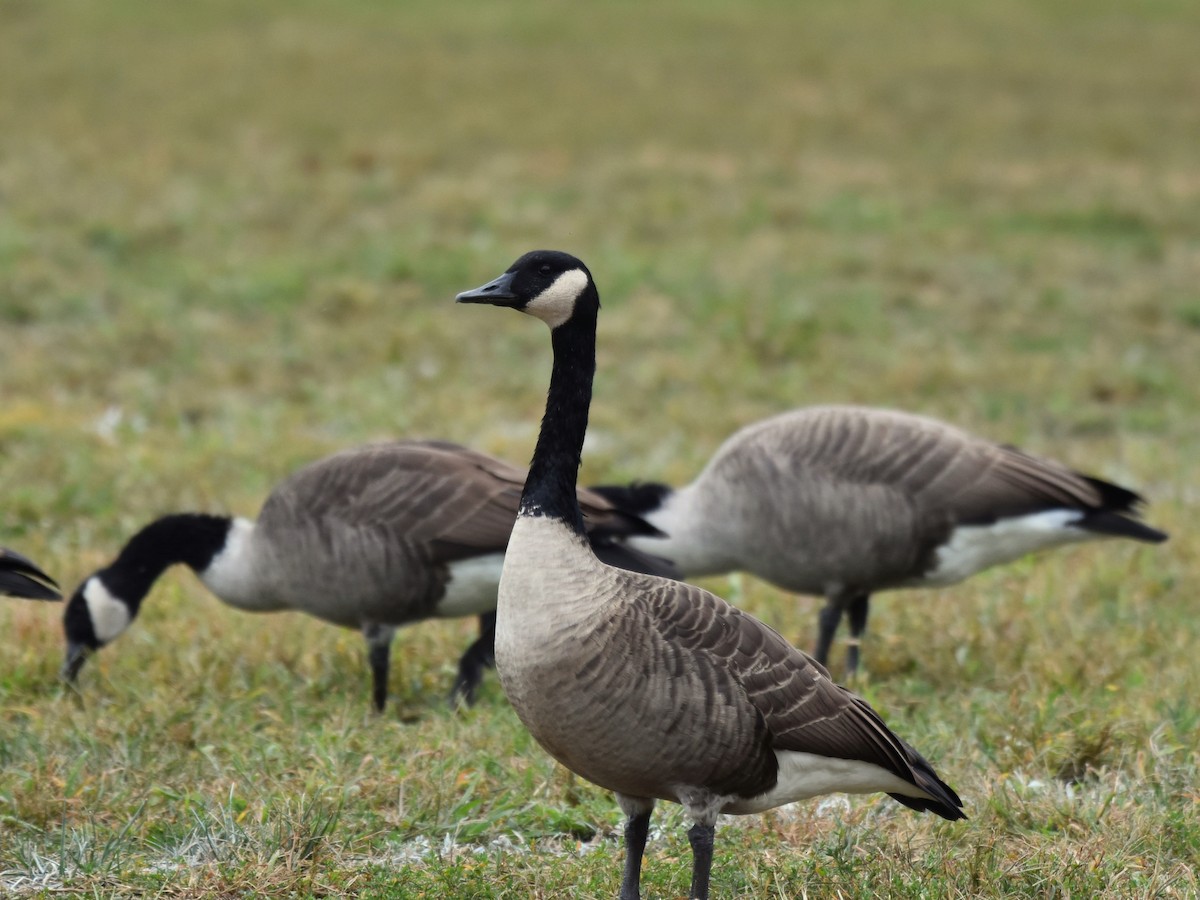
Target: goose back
[[421, 524], [876, 493]]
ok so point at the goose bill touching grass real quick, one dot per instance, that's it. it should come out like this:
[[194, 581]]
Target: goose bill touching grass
[[372, 538], [20, 577], [844, 501], [655, 689]]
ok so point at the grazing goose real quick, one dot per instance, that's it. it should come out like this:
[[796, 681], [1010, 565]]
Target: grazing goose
[[19, 577], [371, 538], [843, 501], [655, 689]]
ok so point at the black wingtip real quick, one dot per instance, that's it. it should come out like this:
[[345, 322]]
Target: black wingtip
[[941, 798], [1113, 497], [1114, 524], [1115, 514], [921, 804], [19, 577]]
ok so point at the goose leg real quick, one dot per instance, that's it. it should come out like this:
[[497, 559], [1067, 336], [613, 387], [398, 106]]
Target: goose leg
[[701, 838], [637, 828], [477, 657], [857, 614], [831, 617], [379, 650]]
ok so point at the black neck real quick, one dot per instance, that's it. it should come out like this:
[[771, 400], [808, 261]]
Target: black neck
[[554, 471], [189, 538]]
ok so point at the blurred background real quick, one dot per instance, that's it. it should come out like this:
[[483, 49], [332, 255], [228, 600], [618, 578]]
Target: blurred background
[[230, 236]]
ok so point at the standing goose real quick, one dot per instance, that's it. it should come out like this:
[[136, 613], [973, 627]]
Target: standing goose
[[655, 689], [371, 538], [19, 577], [843, 501]]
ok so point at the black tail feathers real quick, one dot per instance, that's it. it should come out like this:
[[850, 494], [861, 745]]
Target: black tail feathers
[[1112, 516], [640, 497]]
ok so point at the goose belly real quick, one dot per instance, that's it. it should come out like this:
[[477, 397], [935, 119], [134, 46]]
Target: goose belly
[[348, 578], [472, 586], [973, 548], [622, 740], [802, 776]]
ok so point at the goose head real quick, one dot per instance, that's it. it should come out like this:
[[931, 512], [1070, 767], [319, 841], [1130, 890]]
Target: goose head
[[548, 284], [94, 617]]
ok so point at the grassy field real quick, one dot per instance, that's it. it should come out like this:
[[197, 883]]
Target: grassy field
[[230, 235]]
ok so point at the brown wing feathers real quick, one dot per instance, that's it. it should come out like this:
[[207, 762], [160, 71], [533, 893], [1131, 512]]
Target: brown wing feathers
[[975, 480], [454, 501], [798, 707]]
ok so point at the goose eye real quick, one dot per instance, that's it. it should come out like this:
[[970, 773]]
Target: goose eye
[[544, 269]]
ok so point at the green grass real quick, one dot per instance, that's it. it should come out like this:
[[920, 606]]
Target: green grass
[[229, 239]]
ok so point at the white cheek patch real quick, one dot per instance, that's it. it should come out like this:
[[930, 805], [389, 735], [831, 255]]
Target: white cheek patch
[[110, 616], [555, 304]]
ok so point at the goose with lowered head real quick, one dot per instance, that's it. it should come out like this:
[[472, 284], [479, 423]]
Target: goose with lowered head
[[372, 538]]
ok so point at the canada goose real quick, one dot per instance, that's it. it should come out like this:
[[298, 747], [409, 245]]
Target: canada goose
[[843, 501], [371, 538], [655, 689], [19, 577]]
